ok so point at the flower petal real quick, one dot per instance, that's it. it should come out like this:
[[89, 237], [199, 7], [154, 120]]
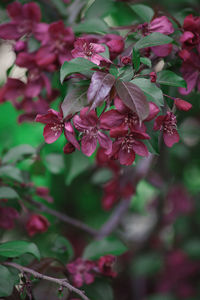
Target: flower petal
[[88, 144], [51, 133]]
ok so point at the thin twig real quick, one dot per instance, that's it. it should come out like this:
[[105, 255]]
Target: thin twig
[[62, 217], [136, 174], [60, 281]]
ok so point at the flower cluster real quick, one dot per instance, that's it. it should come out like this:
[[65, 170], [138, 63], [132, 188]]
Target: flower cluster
[[84, 271]]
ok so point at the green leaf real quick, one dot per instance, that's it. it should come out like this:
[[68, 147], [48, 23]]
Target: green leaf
[[6, 283], [11, 173], [167, 77], [99, 8], [162, 297], [145, 12], [8, 193], [79, 164], [147, 264], [55, 246], [126, 73], [94, 25], [105, 246], [146, 61], [136, 59], [99, 290], [17, 248], [77, 65], [153, 39], [103, 175], [55, 163], [74, 101], [192, 248], [18, 153], [151, 91]]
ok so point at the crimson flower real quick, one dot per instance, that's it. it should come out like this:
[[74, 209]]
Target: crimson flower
[[37, 224], [115, 44], [124, 117], [191, 36], [167, 124], [55, 125], [56, 45], [127, 145], [84, 48], [105, 265], [81, 271], [25, 20], [7, 217], [89, 124]]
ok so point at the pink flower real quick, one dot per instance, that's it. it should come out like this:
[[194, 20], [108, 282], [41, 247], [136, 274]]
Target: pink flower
[[37, 224], [57, 44], [55, 125], [127, 145], [105, 265], [25, 20], [162, 25], [167, 124], [81, 271], [191, 73], [84, 48], [192, 24], [153, 76], [182, 104], [90, 126], [115, 44], [43, 192], [7, 217]]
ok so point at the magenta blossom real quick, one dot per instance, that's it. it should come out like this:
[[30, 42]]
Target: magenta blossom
[[81, 271], [57, 44], [37, 224], [55, 125], [89, 124], [115, 44], [124, 117], [127, 145], [167, 124], [191, 73], [7, 217], [84, 48], [25, 20], [105, 264]]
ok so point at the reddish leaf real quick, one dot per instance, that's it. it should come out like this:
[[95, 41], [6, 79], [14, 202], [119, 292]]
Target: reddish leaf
[[100, 86], [75, 100], [133, 97]]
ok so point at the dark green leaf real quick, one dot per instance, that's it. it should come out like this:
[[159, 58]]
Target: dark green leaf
[[103, 175], [192, 248], [77, 65], [99, 290], [8, 193], [99, 8], [143, 11], [75, 100], [105, 246], [17, 248], [133, 97], [6, 282], [153, 39], [147, 264], [146, 61], [136, 59], [94, 25], [126, 73], [18, 153], [151, 91], [167, 77]]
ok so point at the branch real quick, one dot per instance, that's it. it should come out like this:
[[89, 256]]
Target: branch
[[61, 282], [136, 173], [62, 217]]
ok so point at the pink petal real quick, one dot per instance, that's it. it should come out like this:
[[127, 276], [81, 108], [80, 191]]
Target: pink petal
[[52, 117], [162, 25], [140, 148], [15, 11], [88, 144], [51, 133], [110, 119], [153, 111], [9, 31], [158, 122], [126, 158], [171, 139], [32, 11], [191, 79], [163, 50], [105, 142]]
